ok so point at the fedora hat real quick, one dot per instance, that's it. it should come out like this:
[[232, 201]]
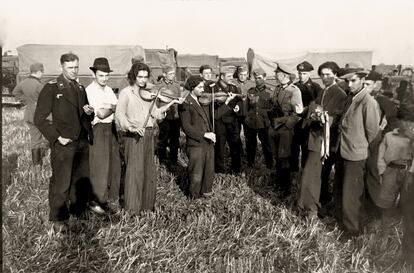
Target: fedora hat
[[101, 64]]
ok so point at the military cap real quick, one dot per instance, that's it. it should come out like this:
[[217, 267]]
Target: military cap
[[227, 69], [34, 67], [137, 59], [283, 68], [242, 68], [304, 66], [362, 73], [259, 71], [167, 69]]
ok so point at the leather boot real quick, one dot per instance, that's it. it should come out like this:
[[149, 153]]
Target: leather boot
[[37, 157]]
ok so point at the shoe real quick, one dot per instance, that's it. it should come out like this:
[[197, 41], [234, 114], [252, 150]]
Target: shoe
[[208, 194], [95, 207], [61, 226]]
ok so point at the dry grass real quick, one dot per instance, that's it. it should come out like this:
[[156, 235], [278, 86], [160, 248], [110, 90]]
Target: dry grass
[[244, 227]]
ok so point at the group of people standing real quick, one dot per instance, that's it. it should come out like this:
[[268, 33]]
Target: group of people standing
[[305, 130]]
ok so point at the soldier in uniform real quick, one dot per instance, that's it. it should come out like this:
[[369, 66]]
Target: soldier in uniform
[[169, 128], [27, 91], [287, 105], [309, 91], [68, 135], [257, 120], [206, 73], [227, 127]]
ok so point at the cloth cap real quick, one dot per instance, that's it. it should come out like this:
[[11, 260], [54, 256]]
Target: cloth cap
[[242, 68], [259, 71], [192, 82], [362, 73], [36, 67], [304, 66]]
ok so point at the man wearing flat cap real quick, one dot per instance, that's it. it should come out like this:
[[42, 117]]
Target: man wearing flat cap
[[27, 91], [104, 157], [309, 91], [287, 106], [69, 136], [227, 127], [169, 128], [359, 126]]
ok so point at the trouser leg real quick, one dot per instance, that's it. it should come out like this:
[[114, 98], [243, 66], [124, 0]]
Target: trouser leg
[[266, 146], [233, 138], [163, 137], [62, 158], [251, 144]]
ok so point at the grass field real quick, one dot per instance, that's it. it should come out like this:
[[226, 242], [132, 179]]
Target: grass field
[[244, 227]]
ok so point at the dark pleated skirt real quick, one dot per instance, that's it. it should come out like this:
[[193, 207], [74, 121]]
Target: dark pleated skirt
[[140, 176]]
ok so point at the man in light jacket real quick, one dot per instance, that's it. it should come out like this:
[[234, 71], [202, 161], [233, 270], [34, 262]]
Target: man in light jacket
[[359, 126]]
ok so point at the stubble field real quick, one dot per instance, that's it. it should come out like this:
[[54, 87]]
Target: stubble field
[[243, 227]]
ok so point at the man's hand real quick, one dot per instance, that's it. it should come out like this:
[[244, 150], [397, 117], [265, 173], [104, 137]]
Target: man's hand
[[64, 141], [230, 98], [236, 109], [88, 109], [179, 100], [211, 136], [138, 130]]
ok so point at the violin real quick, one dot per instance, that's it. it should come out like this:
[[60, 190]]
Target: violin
[[220, 97], [149, 93]]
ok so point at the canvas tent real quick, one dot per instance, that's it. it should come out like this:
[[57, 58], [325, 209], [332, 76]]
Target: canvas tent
[[190, 64], [267, 59], [156, 59], [119, 57], [233, 61]]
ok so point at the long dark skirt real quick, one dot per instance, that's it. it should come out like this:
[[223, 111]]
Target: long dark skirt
[[140, 176], [105, 163]]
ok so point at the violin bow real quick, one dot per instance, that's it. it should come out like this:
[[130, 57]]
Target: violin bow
[[150, 109], [212, 103]]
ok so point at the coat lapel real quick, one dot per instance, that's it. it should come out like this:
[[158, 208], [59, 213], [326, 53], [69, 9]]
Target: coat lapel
[[199, 109]]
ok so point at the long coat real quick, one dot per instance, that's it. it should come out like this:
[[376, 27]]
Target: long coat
[[65, 104], [333, 102], [359, 126]]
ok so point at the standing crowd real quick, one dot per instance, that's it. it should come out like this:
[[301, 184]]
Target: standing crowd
[[350, 126]]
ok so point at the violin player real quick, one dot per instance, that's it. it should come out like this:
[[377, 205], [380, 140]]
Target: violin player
[[136, 116]]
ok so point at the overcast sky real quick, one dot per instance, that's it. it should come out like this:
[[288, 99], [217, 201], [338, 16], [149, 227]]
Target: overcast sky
[[226, 28]]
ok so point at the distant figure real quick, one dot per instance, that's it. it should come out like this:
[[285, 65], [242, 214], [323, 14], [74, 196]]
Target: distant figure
[[169, 127], [27, 91], [69, 136]]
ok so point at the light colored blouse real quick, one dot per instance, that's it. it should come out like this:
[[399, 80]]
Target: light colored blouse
[[133, 110]]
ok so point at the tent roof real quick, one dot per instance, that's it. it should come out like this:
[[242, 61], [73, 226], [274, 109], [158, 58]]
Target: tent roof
[[191, 60], [160, 57], [268, 58], [119, 56]]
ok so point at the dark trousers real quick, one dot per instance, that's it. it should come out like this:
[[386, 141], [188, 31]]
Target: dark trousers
[[70, 179], [251, 145], [407, 209], [200, 169], [105, 163], [349, 190], [169, 136], [310, 183], [282, 144], [299, 144], [230, 133]]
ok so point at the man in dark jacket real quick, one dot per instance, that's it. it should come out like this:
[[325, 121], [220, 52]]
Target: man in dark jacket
[[65, 99], [227, 127], [309, 91], [257, 120], [169, 133]]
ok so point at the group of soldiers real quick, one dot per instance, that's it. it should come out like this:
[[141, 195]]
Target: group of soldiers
[[306, 131]]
